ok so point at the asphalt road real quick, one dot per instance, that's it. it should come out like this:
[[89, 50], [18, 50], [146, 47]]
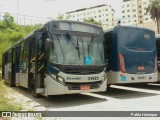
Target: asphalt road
[[117, 98]]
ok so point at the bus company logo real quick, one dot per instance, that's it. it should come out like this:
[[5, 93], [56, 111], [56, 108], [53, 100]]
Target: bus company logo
[[123, 77], [140, 67], [73, 78], [6, 114]]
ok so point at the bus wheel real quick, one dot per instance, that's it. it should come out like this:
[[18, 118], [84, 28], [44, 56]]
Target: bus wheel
[[34, 94], [10, 81]]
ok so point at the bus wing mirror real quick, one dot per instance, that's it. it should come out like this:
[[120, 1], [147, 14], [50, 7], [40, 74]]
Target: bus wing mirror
[[48, 42]]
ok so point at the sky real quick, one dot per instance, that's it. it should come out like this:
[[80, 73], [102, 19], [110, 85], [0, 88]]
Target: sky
[[51, 8]]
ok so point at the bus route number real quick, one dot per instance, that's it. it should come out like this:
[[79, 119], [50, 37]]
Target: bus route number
[[93, 78]]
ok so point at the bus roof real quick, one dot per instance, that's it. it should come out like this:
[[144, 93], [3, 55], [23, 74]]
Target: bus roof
[[46, 24], [85, 23], [109, 30]]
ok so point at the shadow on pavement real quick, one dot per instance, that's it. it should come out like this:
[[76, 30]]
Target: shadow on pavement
[[120, 93], [149, 86], [61, 101]]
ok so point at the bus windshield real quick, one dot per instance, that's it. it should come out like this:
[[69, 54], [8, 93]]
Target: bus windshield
[[137, 39], [77, 49]]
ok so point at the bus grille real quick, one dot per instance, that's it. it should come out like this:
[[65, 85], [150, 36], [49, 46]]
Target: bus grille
[[82, 72], [76, 86]]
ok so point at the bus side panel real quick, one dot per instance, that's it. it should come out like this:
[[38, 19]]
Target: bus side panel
[[7, 71], [23, 81], [113, 60], [3, 64]]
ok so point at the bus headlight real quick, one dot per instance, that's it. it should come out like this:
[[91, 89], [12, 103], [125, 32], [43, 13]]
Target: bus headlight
[[58, 78]]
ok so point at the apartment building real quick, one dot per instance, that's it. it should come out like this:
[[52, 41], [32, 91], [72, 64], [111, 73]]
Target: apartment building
[[134, 13], [101, 13]]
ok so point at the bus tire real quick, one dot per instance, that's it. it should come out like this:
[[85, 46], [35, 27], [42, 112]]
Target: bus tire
[[11, 84], [34, 94]]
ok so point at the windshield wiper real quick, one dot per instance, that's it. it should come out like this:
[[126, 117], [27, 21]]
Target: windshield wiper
[[90, 45], [78, 48], [71, 40]]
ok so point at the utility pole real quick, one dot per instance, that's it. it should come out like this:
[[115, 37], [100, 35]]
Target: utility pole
[[17, 10]]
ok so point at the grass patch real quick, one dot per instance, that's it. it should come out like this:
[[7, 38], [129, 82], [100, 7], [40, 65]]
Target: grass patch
[[7, 104]]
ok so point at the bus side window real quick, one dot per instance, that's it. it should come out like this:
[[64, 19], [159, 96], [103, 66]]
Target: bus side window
[[33, 47], [108, 44], [6, 58]]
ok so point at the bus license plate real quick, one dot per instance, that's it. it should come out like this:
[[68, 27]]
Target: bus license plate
[[141, 77], [84, 87]]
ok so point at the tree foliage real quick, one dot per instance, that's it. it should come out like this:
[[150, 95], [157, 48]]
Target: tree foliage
[[92, 21], [154, 10], [10, 32], [62, 16]]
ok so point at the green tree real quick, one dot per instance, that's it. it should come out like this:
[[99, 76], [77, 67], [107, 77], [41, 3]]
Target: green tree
[[10, 32], [60, 16], [8, 19], [154, 10], [92, 21]]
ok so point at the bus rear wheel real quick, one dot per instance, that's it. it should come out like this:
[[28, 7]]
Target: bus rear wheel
[[34, 94], [10, 80]]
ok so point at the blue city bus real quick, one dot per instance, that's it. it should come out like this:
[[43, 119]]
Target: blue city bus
[[131, 55], [61, 57], [158, 54]]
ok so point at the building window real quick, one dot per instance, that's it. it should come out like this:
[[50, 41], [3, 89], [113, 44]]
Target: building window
[[106, 19], [134, 10], [99, 11], [95, 17], [123, 16], [140, 22], [140, 16], [99, 15], [123, 11], [125, 0], [145, 8], [106, 10], [133, 5], [140, 11], [128, 5], [146, 18], [145, 13], [128, 15], [128, 10], [139, 6]]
